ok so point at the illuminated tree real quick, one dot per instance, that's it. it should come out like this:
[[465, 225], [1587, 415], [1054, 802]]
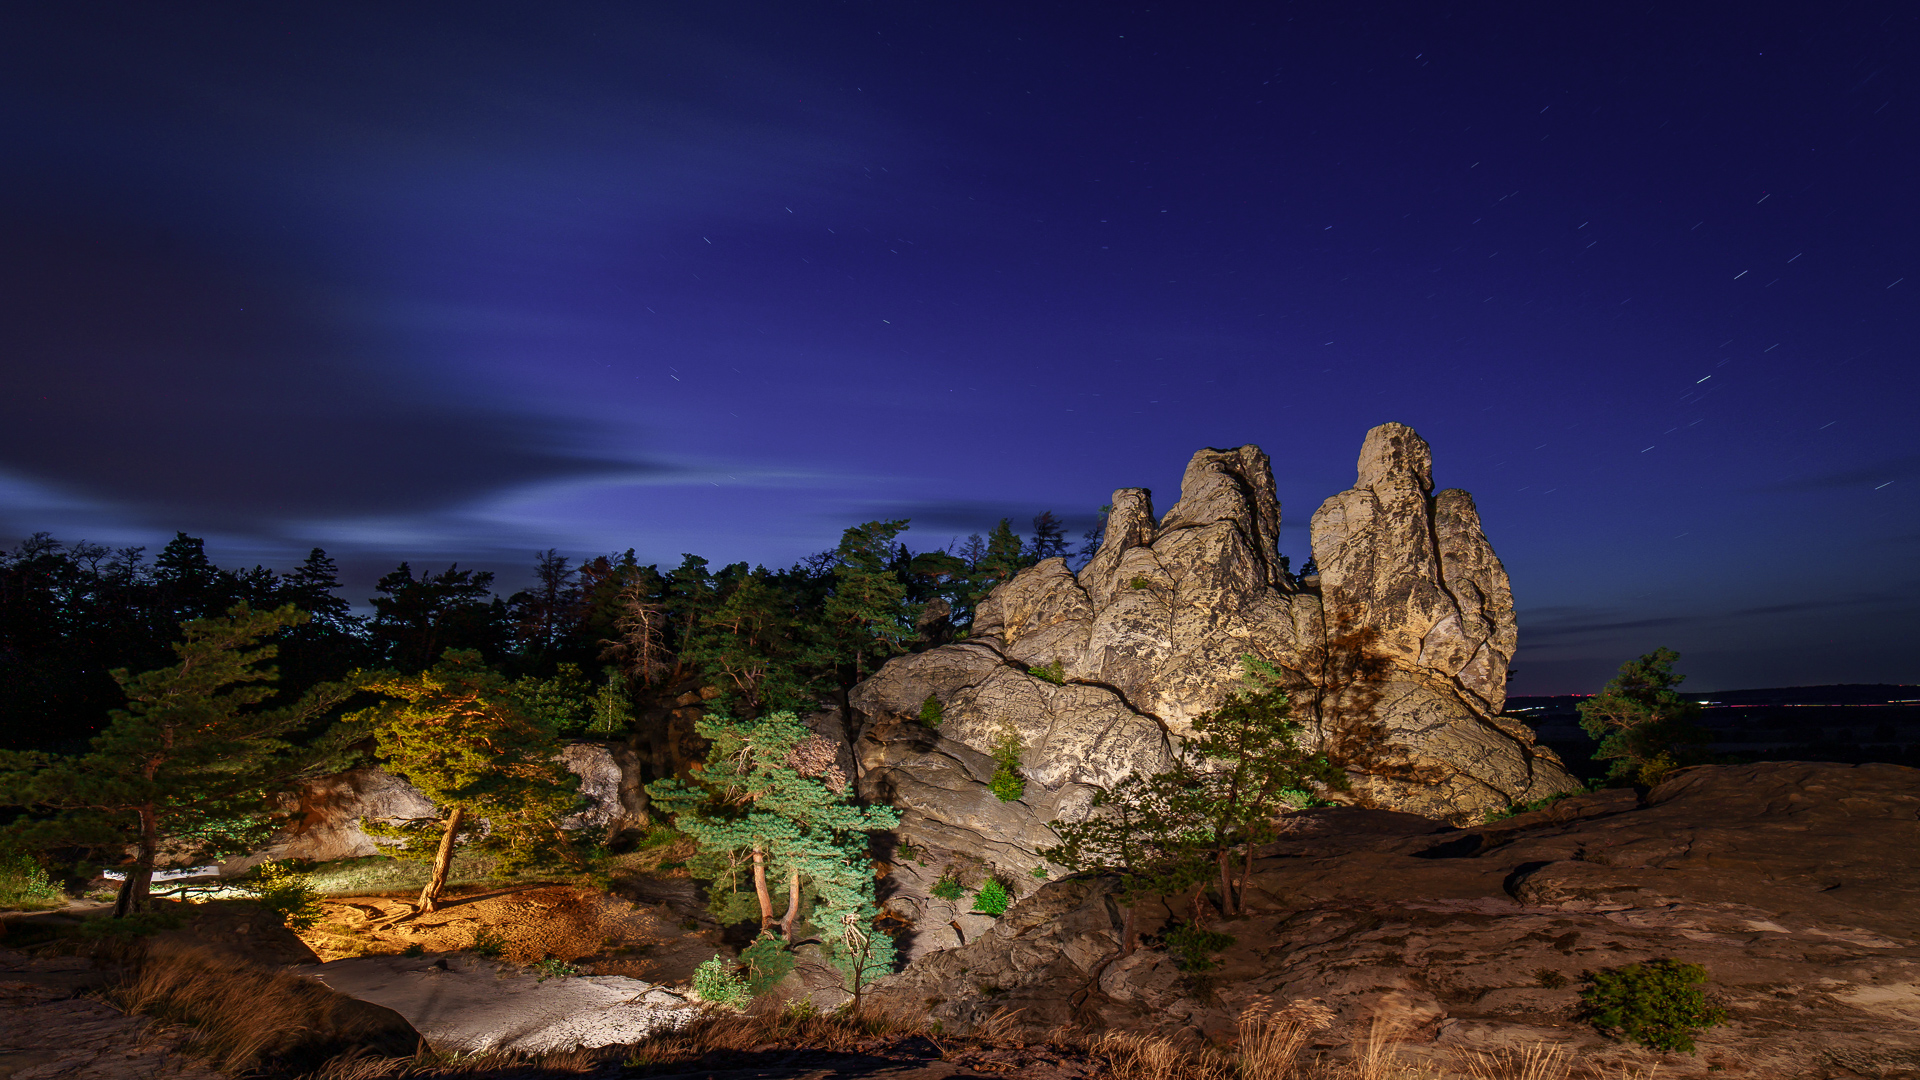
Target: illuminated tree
[[190, 764], [483, 750]]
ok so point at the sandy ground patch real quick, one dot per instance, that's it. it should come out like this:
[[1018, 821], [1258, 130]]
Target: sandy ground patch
[[602, 934]]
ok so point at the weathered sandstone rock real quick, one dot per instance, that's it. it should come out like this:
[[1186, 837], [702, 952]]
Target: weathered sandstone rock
[[1795, 884], [1399, 658], [328, 810]]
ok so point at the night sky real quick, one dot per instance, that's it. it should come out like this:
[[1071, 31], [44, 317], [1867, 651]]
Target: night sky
[[472, 280]]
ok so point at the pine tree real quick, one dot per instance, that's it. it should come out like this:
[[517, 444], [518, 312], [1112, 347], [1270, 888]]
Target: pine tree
[[771, 799], [868, 619], [1144, 831], [482, 749], [191, 762], [749, 645], [1249, 767], [1644, 726]]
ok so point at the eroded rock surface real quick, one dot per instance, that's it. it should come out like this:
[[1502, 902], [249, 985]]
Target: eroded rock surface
[[1797, 886], [466, 1005], [1399, 657]]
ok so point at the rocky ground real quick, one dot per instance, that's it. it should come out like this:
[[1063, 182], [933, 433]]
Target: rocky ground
[[1796, 885]]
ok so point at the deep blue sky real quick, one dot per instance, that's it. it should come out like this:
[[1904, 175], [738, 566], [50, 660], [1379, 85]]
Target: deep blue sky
[[471, 280]]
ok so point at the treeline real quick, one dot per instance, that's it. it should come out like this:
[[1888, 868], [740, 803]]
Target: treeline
[[640, 635]]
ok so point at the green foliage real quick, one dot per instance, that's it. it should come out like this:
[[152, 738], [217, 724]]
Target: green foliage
[[482, 749], [770, 801], [750, 643], [414, 949], [191, 760], [487, 942], [715, 981], [1055, 673], [1007, 782], [1167, 832], [992, 899], [610, 708], [1194, 947], [1640, 719], [932, 711], [867, 618], [555, 968], [24, 884], [1139, 583], [1517, 809], [768, 961], [1040, 873], [1657, 1003], [948, 888], [282, 889]]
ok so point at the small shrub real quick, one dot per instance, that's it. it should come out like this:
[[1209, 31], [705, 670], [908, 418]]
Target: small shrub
[[1040, 873], [992, 899], [948, 887], [715, 981], [1657, 1004], [555, 968], [932, 711], [768, 961], [1549, 978], [1055, 673], [1655, 769], [1194, 947], [1007, 784], [24, 884], [415, 949], [1516, 809], [1139, 583], [488, 943], [284, 890]]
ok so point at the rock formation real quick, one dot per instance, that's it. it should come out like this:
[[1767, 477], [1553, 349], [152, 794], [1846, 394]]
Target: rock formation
[[1398, 653], [1795, 884], [327, 811]]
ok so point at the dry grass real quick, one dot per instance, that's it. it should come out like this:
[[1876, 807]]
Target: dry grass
[[242, 1017]]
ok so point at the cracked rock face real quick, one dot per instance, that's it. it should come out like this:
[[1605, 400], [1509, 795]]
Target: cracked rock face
[[1398, 659]]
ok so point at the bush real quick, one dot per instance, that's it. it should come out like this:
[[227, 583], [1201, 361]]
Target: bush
[[715, 981], [768, 961], [932, 711], [1194, 947], [488, 943], [1007, 784], [24, 884], [948, 887], [992, 899], [282, 889], [1055, 673], [1657, 1004], [555, 968]]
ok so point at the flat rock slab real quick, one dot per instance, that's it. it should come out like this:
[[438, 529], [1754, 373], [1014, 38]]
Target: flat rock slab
[[467, 1005]]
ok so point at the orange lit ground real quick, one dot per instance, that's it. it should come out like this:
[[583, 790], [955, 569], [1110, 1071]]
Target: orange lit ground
[[602, 934]]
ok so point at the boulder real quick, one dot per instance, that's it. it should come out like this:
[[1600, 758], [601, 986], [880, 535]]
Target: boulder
[[326, 812], [1795, 884], [1398, 657]]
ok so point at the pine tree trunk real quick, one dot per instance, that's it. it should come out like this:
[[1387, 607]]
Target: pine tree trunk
[[1224, 860], [442, 859], [1246, 875], [793, 904], [760, 886], [1127, 943], [136, 893]]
